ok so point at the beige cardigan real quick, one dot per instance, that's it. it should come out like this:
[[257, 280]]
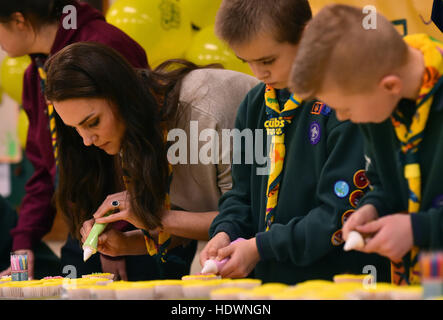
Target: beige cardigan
[[210, 97]]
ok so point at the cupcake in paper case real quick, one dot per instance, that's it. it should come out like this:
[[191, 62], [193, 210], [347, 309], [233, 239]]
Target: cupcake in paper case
[[291, 293], [227, 293], [335, 291], [359, 278], [377, 291], [303, 291], [168, 289], [5, 279], [52, 288], [1, 288], [100, 292], [79, 289], [200, 289], [407, 293], [32, 290], [14, 289], [78, 292], [263, 292], [109, 276], [139, 290], [246, 283], [201, 277], [53, 278]]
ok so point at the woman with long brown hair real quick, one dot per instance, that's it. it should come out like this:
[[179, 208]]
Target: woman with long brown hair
[[36, 28], [112, 122]]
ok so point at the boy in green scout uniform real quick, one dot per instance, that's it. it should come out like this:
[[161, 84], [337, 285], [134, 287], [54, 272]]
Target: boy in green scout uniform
[[291, 215], [373, 75]]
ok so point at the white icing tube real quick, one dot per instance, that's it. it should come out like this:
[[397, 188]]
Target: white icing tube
[[213, 266], [355, 241]]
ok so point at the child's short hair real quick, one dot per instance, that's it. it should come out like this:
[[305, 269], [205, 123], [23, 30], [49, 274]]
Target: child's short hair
[[336, 42], [238, 21]]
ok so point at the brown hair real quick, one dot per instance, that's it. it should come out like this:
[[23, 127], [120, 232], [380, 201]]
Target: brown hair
[[87, 174], [37, 12], [238, 21], [336, 44]]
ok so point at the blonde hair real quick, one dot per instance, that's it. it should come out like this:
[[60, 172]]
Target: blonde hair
[[336, 44], [238, 21]]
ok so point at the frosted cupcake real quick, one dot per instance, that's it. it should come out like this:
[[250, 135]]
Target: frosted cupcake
[[168, 289], [228, 293], [109, 276], [263, 292], [99, 292], [201, 277], [407, 293], [380, 291], [79, 289], [5, 279], [14, 289], [140, 290], [307, 290], [242, 283], [200, 289], [359, 278]]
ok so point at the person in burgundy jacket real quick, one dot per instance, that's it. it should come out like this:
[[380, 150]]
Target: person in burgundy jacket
[[40, 29]]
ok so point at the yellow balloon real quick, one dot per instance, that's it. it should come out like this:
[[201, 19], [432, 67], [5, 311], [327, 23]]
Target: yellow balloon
[[22, 128], [160, 26], [201, 12], [11, 76], [206, 48]]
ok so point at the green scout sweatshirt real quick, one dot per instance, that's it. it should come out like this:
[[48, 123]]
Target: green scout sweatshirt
[[322, 157], [385, 173]]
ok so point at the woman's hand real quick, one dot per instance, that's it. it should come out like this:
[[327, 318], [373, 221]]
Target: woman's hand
[[124, 213], [115, 266]]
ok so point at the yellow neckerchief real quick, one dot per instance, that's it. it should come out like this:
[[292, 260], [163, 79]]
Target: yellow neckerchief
[[410, 139], [51, 114], [277, 121], [164, 239]]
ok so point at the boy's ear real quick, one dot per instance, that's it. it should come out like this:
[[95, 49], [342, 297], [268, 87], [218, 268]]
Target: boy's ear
[[19, 21], [392, 84]]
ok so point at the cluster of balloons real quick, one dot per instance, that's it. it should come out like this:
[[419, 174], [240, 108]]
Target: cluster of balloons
[[164, 28], [12, 71], [175, 29]]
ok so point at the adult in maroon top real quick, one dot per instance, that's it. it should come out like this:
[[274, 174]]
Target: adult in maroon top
[[37, 211]]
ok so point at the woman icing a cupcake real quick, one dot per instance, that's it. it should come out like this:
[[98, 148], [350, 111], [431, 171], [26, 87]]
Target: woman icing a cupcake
[[112, 127]]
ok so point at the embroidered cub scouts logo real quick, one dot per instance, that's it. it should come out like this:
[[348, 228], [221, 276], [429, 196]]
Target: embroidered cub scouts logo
[[274, 126], [337, 238], [314, 133]]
